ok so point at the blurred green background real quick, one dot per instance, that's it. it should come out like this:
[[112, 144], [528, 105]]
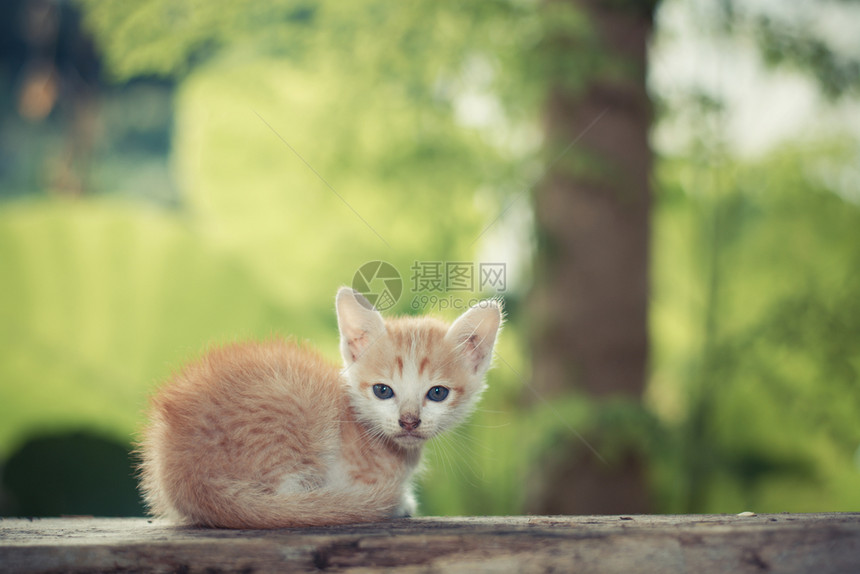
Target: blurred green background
[[178, 174]]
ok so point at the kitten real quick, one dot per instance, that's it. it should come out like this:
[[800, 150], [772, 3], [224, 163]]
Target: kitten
[[268, 435]]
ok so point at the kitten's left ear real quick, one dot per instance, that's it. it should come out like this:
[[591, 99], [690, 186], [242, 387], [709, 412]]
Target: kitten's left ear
[[360, 324], [474, 334]]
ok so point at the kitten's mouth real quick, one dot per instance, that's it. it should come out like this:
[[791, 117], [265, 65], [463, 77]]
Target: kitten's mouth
[[409, 438]]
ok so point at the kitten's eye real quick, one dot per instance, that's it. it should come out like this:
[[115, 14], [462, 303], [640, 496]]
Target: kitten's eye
[[383, 391], [437, 394]]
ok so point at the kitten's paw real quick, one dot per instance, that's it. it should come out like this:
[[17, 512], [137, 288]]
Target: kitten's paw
[[408, 506]]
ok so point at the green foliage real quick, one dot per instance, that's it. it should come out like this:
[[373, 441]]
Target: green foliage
[[70, 474], [755, 320], [837, 73], [756, 330]]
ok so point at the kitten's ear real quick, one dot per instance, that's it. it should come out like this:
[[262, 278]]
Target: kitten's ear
[[474, 334], [359, 323]]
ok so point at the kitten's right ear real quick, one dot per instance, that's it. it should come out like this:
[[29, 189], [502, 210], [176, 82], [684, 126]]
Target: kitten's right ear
[[474, 334], [360, 324]]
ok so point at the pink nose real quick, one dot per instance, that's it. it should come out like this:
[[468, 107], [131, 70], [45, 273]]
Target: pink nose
[[409, 422]]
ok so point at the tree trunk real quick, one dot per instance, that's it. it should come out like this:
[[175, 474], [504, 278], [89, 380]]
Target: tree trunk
[[590, 296]]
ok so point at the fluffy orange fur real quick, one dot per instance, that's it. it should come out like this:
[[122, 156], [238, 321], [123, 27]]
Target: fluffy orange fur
[[267, 435]]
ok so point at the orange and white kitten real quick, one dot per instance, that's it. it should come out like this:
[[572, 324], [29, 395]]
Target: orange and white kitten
[[268, 435]]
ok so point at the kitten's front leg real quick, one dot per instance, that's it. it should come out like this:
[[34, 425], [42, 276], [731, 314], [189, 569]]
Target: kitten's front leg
[[408, 504]]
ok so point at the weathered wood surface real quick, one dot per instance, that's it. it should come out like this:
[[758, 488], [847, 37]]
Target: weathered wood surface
[[817, 543]]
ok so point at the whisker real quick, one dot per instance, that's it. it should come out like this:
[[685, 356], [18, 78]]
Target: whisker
[[459, 456], [497, 426], [490, 411], [471, 441]]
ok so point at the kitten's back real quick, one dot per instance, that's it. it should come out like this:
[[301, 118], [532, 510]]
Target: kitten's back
[[237, 417]]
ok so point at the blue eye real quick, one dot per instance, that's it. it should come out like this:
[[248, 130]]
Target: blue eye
[[383, 391], [437, 394]]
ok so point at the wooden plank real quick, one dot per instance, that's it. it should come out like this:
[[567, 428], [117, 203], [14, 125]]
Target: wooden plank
[[819, 543]]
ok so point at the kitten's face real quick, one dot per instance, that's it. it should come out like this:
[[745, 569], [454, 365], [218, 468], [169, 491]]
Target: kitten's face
[[412, 378]]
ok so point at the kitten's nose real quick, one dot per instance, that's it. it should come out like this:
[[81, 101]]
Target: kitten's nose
[[409, 422]]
